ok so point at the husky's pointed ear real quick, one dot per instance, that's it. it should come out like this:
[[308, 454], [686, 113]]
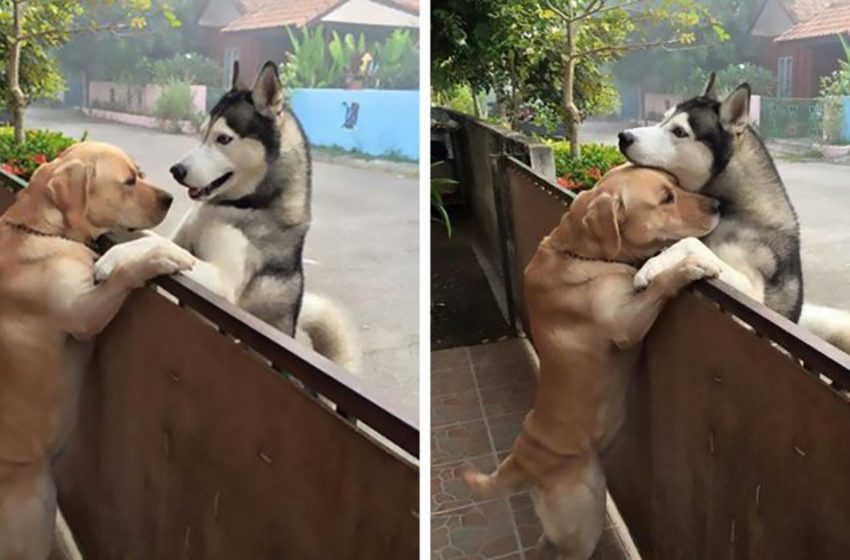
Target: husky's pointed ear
[[709, 87], [268, 91], [237, 84], [735, 109]]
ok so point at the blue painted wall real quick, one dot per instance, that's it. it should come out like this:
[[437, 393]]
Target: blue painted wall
[[845, 130], [387, 122]]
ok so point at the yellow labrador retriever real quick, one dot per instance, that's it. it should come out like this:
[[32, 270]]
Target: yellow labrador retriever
[[48, 304], [587, 322]]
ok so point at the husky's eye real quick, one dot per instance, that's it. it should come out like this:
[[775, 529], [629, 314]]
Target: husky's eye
[[223, 139], [668, 198], [679, 132]]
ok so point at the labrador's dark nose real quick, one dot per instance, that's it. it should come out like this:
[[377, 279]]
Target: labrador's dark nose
[[626, 139], [179, 172], [165, 201], [715, 205]]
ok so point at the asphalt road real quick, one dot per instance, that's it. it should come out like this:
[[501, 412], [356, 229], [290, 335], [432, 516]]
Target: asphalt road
[[820, 192], [362, 249]]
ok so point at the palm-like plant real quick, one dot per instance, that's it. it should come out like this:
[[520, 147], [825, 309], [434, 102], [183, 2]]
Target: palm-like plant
[[439, 188]]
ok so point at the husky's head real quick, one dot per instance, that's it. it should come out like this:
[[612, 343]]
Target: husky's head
[[696, 139], [239, 140]]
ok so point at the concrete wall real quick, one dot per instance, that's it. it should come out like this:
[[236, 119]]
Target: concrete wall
[[138, 99], [387, 121]]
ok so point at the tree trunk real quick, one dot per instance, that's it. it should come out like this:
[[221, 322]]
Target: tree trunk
[[571, 113], [516, 98], [17, 100], [476, 107]]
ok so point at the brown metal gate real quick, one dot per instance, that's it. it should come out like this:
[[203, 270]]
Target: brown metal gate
[[735, 445]]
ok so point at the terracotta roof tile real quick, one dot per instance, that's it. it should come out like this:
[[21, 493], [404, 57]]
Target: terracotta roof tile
[[280, 13], [802, 10], [409, 5], [265, 14], [829, 21]]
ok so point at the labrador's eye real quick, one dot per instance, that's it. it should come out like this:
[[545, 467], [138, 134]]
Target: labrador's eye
[[668, 198], [223, 139], [130, 182], [679, 132]]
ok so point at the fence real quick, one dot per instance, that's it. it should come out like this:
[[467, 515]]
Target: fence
[[734, 442], [785, 117], [476, 145], [202, 434]]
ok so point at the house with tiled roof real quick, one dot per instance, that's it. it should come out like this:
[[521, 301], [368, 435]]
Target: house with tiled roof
[[253, 31], [798, 40]]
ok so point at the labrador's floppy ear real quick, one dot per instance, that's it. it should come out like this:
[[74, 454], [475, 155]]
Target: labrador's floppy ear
[[709, 87], [68, 189], [267, 93], [602, 222]]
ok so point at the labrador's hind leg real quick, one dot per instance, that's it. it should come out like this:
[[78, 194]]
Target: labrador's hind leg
[[572, 510]]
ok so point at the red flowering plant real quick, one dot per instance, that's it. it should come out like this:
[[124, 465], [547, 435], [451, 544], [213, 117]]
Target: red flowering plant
[[582, 174], [38, 147]]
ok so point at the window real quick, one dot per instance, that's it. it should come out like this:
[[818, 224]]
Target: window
[[784, 76], [230, 56]]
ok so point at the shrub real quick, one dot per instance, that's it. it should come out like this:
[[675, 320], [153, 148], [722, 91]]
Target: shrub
[[39, 146], [175, 102], [397, 61], [582, 174], [319, 60]]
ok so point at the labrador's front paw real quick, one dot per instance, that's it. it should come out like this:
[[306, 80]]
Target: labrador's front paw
[[167, 259], [143, 259], [671, 258]]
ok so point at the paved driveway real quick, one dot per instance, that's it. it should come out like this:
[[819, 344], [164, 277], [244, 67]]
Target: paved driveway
[[820, 193], [362, 250]]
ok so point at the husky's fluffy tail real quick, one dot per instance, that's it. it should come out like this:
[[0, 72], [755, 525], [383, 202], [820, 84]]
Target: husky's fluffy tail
[[832, 325], [330, 331]]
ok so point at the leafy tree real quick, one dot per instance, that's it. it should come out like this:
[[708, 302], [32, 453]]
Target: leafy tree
[[683, 71], [600, 30], [551, 53], [130, 56], [31, 28]]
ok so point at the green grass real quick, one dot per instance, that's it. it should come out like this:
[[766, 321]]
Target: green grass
[[393, 155]]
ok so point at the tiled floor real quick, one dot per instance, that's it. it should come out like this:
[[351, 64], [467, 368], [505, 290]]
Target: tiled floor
[[479, 396]]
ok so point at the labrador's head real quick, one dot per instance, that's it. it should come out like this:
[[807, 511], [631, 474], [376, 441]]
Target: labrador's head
[[96, 188], [633, 212]]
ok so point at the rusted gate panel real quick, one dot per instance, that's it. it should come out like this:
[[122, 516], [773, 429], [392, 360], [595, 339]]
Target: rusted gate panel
[[533, 209], [189, 447], [731, 449]]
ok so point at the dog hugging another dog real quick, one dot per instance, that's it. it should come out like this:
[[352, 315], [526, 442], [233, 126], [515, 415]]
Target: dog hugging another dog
[[244, 242], [701, 198]]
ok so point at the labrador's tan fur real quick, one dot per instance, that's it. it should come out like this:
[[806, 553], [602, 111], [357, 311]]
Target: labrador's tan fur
[[48, 305], [587, 323]]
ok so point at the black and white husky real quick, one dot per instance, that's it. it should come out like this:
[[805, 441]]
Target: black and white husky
[[251, 175], [710, 147]]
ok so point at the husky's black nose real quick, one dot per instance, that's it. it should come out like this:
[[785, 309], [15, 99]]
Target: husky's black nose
[[626, 139], [178, 171], [715, 206]]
